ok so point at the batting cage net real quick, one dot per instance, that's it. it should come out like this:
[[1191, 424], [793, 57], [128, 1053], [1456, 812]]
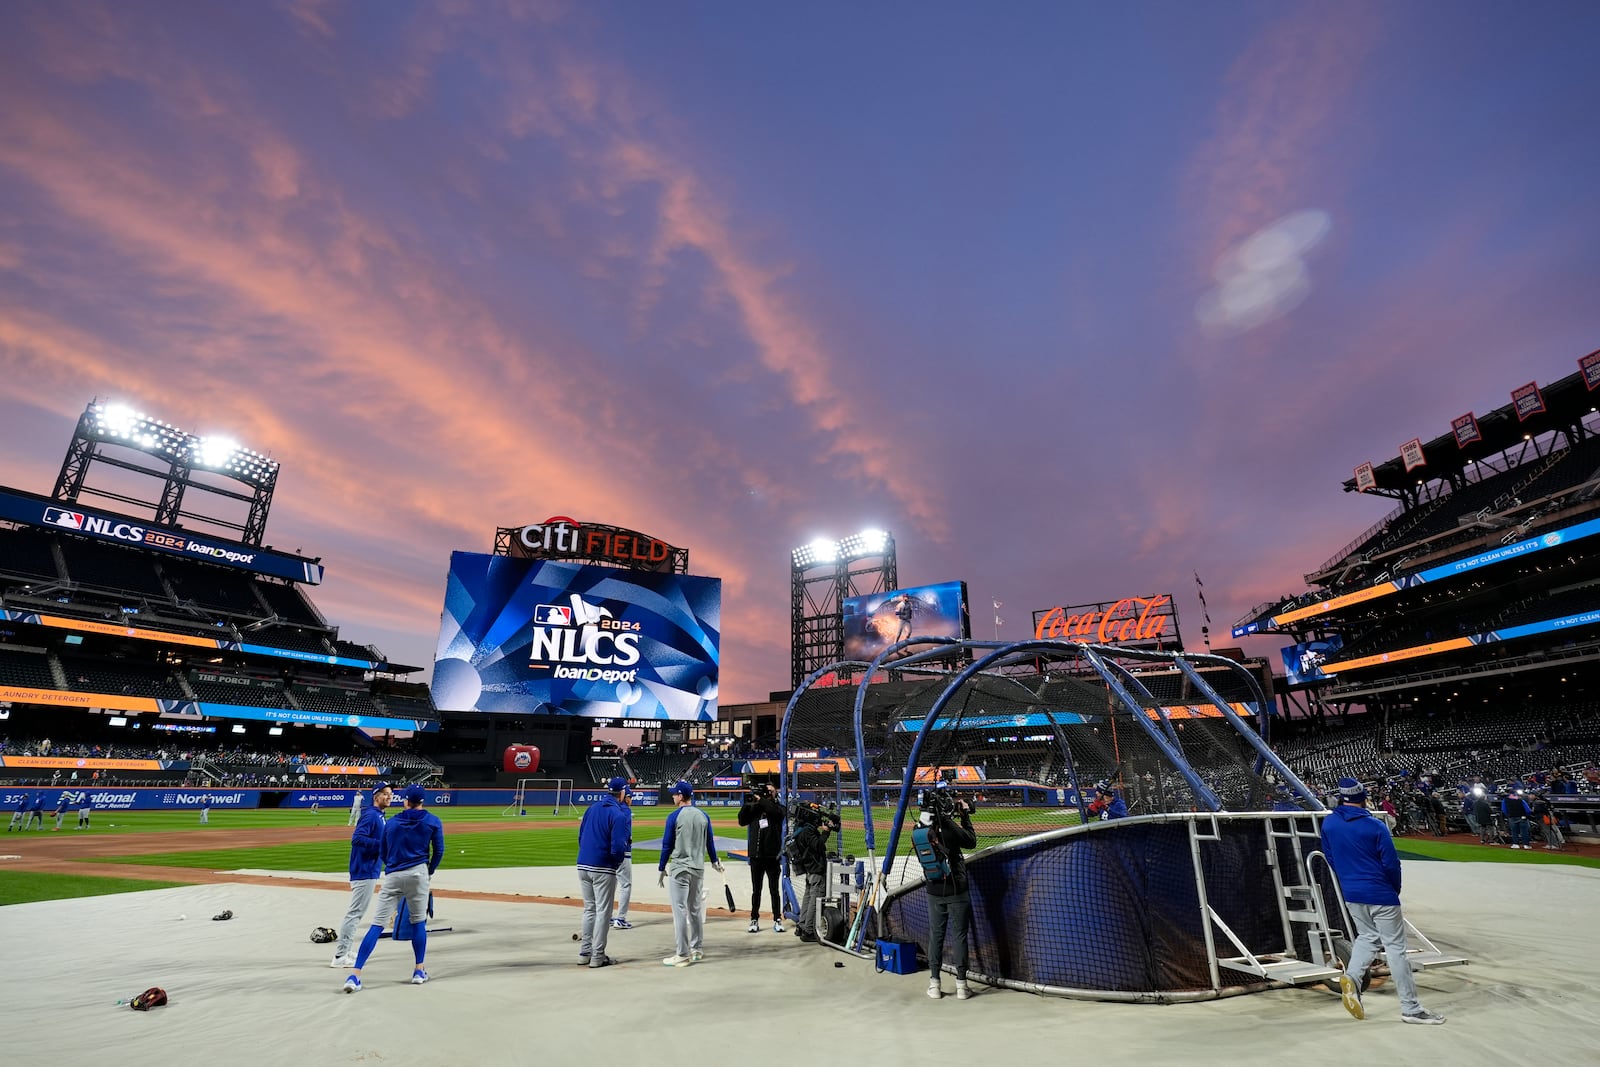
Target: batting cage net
[[1108, 793]]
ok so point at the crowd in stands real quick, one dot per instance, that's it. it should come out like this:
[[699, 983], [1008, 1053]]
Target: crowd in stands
[[236, 765]]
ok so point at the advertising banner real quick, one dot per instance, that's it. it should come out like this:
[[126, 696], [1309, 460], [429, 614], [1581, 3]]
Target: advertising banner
[[165, 637], [1466, 430], [1411, 454], [550, 638], [874, 622], [192, 708], [958, 774], [340, 768], [1527, 400], [814, 765], [85, 763], [104, 799], [121, 530], [1553, 539]]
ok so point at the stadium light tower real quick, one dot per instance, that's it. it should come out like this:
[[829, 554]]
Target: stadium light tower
[[177, 454], [823, 574]]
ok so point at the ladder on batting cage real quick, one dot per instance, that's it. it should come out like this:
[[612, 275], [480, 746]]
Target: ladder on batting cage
[[1300, 905], [1421, 953]]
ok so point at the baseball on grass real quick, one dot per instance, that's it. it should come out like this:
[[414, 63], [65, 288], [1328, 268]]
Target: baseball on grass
[[182, 917]]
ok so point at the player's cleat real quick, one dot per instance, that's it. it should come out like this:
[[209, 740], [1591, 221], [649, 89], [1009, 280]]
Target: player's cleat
[[352, 984], [419, 976], [777, 926], [583, 959], [676, 960], [621, 924], [1423, 1017], [340, 962], [605, 961], [963, 991], [1351, 996], [934, 991], [754, 927], [696, 956]]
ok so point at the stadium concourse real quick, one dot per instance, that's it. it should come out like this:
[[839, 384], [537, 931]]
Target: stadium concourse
[[504, 990]]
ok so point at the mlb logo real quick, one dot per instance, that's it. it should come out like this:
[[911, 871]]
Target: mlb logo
[[552, 615], [72, 520]]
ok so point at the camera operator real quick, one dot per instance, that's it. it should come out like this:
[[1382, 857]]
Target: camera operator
[[943, 830], [763, 816], [810, 859]]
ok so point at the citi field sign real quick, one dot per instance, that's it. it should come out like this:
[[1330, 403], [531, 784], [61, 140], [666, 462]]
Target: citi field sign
[[1130, 620], [561, 537]]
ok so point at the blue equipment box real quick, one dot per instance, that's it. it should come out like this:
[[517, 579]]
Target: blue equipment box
[[898, 957]]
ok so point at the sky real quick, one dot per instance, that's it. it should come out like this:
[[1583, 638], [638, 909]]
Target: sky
[[1078, 300]]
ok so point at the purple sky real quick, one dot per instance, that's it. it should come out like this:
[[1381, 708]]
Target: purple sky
[[738, 275]]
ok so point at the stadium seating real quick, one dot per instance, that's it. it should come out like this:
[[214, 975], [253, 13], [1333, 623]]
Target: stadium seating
[[659, 768], [282, 637], [250, 695], [351, 650], [27, 554], [289, 604], [213, 589], [123, 571], [29, 669], [333, 698], [126, 678]]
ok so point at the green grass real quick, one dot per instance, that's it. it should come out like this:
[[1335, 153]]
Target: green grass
[[532, 843], [25, 887], [134, 822], [1410, 848]]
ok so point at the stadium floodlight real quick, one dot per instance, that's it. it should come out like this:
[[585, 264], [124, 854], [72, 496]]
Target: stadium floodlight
[[824, 550], [214, 452], [117, 420], [869, 542]]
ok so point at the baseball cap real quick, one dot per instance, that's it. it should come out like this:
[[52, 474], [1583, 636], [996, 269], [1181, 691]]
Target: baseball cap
[[682, 789], [380, 787], [413, 794], [1350, 789], [617, 784]]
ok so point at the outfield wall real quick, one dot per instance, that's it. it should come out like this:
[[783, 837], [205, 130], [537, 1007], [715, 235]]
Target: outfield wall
[[133, 798]]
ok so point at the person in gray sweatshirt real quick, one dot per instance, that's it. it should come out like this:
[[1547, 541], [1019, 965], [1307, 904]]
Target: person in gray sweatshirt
[[684, 850]]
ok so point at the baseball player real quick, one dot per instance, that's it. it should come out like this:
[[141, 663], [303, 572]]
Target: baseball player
[[366, 867], [413, 845]]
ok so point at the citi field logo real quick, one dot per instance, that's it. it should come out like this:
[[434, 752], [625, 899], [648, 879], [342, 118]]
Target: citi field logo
[[578, 638]]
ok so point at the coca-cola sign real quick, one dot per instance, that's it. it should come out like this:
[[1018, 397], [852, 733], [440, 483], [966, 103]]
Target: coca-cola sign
[[1148, 620]]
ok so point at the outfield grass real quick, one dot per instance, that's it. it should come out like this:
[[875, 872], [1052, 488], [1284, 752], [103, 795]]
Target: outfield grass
[[25, 887], [532, 841], [1421, 848]]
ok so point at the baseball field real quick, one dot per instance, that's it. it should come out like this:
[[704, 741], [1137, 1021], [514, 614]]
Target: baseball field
[[93, 917]]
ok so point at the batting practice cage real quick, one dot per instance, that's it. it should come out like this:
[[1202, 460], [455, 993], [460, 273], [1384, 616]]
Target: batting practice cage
[[1137, 838]]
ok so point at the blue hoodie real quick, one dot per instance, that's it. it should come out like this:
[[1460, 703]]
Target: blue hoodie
[[604, 835], [1359, 847], [366, 846], [407, 837]]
